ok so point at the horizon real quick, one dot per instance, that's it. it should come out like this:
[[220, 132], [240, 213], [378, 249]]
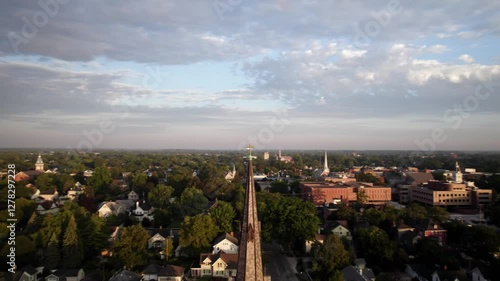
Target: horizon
[[387, 75]]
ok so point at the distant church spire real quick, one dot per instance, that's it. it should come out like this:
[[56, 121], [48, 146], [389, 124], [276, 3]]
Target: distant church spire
[[457, 174], [326, 170], [39, 166], [250, 253]]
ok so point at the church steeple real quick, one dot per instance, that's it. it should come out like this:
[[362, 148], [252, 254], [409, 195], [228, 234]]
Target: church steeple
[[326, 170], [250, 253], [39, 166]]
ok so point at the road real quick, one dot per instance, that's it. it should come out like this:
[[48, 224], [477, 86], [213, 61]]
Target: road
[[279, 266]]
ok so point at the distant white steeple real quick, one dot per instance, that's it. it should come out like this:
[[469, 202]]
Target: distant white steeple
[[457, 174], [326, 170]]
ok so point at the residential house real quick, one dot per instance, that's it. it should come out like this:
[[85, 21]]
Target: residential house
[[476, 275], [230, 175], [423, 273], [75, 192], [158, 237], [143, 210], [49, 194], [107, 209], [126, 275], [28, 273], [216, 265], [429, 228], [127, 204], [225, 242], [47, 207], [132, 195], [359, 272], [402, 228], [156, 272], [342, 231], [66, 275], [88, 173], [27, 175]]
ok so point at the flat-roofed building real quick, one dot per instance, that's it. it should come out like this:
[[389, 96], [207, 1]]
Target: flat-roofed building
[[437, 193], [323, 192]]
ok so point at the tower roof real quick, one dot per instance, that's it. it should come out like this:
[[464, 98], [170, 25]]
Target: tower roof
[[39, 159], [250, 253], [326, 170]]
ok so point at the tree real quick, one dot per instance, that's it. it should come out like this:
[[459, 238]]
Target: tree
[[374, 216], [329, 258], [100, 180], [344, 212], [197, 232], [223, 215], [414, 213], [286, 219], [375, 245], [159, 196], [130, 248], [45, 182], [52, 253], [438, 214], [279, 186], [192, 201], [72, 246], [168, 250], [139, 180], [361, 197]]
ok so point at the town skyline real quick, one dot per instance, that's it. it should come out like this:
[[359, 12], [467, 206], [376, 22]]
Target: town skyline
[[339, 75]]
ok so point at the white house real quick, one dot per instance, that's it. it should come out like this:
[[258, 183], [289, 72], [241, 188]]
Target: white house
[[107, 209], [88, 173], [49, 194], [75, 192], [342, 231], [66, 275], [216, 265], [230, 175], [227, 243], [143, 210], [29, 273], [477, 275]]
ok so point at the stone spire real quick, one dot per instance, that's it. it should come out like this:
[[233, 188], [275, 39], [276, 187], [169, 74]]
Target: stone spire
[[250, 253], [326, 170], [39, 166]]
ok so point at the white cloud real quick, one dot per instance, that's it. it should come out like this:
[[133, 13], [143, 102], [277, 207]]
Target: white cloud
[[466, 58], [350, 54]]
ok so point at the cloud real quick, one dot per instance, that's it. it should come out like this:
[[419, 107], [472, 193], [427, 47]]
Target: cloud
[[466, 58]]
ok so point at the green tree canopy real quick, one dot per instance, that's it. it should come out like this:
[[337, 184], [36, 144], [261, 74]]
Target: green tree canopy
[[375, 245], [100, 180], [130, 248], [192, 201], [286, 219], [159, 196], [329, 258], [223, 215], [72, 246], [197, 232]]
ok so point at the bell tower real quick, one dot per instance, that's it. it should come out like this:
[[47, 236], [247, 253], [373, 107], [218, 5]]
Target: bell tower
[[39, 166]]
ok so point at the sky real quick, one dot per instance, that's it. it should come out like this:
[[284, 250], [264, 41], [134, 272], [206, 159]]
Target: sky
[[218, 74]]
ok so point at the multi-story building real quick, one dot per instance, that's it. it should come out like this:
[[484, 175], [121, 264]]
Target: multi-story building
[[437, 193], [322, 192]]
